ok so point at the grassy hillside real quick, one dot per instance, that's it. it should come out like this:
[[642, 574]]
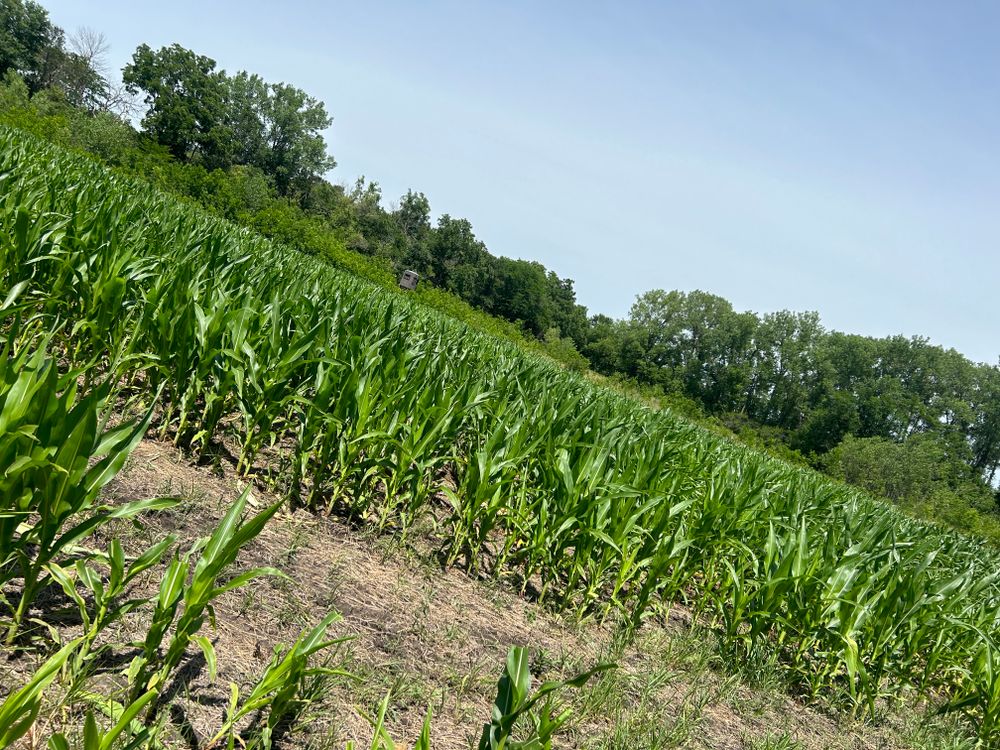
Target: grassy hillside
[[346, 399]]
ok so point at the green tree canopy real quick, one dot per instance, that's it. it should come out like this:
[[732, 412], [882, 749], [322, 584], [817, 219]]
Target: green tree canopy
[[201, 114], [36, 49], [185, 98], [25, 34]]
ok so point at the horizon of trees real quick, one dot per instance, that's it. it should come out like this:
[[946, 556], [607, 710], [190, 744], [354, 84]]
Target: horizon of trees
[[254, 152], [783, 379]]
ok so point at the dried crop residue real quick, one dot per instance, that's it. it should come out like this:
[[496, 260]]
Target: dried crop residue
[[432, 637]]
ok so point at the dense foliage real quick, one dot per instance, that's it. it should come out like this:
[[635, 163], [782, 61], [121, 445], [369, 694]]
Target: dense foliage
[[202, 115], [784, 370], [783, 380], [253, 152]]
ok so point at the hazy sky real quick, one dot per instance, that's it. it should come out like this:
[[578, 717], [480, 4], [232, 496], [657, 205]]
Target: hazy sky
[[839, 156]]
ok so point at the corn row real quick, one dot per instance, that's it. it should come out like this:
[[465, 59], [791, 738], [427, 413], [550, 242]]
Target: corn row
[[349, 398]]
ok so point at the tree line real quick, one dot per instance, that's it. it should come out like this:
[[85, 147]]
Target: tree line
[[785, 371], [909, 420], [842, 402]]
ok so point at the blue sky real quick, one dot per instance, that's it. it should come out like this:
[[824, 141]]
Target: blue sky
[[833, 156]]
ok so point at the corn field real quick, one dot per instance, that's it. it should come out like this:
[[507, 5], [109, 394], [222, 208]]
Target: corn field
[[352, 400]]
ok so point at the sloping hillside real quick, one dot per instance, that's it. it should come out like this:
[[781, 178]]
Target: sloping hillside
[[343, 400]]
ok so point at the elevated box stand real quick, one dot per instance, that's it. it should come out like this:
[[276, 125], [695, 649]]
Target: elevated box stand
[[409, 280]]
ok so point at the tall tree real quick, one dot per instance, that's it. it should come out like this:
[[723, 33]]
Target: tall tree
[[454, 252], [35, 49], [200, 113], [185, 97], [295, 151], [517, 290], [244, 102], [985, 429], [413, 218], [605, 344], [568, 316], [694, 343], [786, 347], [25, 34]]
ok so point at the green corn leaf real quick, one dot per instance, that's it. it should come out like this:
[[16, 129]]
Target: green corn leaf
[[19, 710]]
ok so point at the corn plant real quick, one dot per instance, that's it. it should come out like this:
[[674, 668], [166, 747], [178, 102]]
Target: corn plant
[[516, 701], [109, 605], [279, 690], [382, 740], [94, 738], [20, 709], [56, 459], [152, 668], [979, 696]]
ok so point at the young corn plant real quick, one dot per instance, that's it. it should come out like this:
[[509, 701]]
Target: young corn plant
[[126, 733], [20, 709], [516, 701], [56, 459], [280, 691], [101, 601], [151, 669], [382, 740], [979, 696]]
